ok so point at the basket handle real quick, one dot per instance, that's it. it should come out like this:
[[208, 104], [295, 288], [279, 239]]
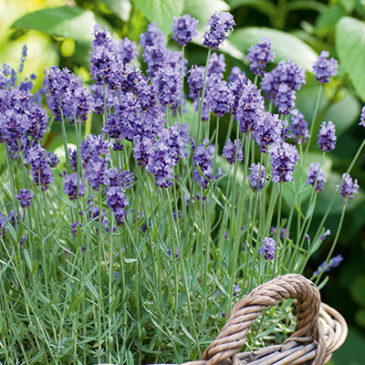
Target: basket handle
[[308, 300]]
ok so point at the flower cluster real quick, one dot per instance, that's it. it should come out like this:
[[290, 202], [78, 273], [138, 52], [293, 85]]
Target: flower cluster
[[316, 177], [24, 197], [233, 151], [220, 24], [324, 68], [257, 176], [184, 28], [283, 160], [325, 267], [327, 137], [260, 55], [268, 248], [281, 84], [348, 187]]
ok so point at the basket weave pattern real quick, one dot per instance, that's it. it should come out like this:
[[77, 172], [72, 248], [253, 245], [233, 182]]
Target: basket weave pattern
[[320, 329]]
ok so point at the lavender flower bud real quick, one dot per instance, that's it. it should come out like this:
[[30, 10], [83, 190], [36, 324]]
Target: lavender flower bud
[[220, 24], [260, 55], [349, 187], [314, 174], [232, 150], [184, 28], [327, 137], [24, 196], [324, 68], [324, 267], [268, 248], [283, 160], [257, 176]]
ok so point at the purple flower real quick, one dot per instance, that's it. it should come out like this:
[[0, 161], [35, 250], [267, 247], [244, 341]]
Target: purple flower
[[203, 158], [260, 55], [168, 84], [325, 267], [41, 171], [349, 187], [257, 176], [219, 97], [24, 196], [308, 239], [3, 224], [283, 160], [250, 107], [70, 186], [184, 28], [299, 126], [220, 24], [236, 290], [327, 137], [155, 57], [267, 131], [66, 95], [195, 81], [231, 151], [95, 173], [74, 226], [325, 234], [313, 174], [236, 85], [117, 201], [324, 68], [217, 64], [152, 37], [97, 92], [235, 74], [127, 50], [362, 117], [122, 179], [142, 149], [94, 146], [281, 83], [268, 248]]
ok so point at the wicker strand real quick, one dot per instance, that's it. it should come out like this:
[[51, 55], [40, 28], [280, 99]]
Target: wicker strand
[[291, 286]]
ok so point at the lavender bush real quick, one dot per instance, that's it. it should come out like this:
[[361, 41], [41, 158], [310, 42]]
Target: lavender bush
[[133, 245]]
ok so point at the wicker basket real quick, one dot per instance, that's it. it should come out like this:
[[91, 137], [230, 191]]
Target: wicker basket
[[320, 329]]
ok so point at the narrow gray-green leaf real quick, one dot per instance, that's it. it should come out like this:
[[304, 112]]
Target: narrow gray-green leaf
[[64, 21], [161, 11], [350, 46], [285, 46]]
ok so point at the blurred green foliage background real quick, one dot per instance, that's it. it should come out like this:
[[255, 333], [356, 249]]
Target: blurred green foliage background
[[60, 32]]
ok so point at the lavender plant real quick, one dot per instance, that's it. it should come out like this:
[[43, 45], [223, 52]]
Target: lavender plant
[[133, 247]]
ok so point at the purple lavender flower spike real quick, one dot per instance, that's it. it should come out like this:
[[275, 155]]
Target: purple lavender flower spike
[[220, 24], [237, 86], [184, 29], [283, 159], [155, 57], [127, 50], [142, 149], [195, 81], [95, 173], [70, 186], [260, 55], [94, 146], [236, 73], [324, 267], [268, 248], [117, 201], [74, 226], [349, 187], [168, 84], [325, 234], [219, 97], [299, 126], [3, 224], [217, 64], [327, 137], [314, 174], [362, 117], [152, 37], [324, 68], [268, 130], [203, 158], [97, 92], [24, 196], [257, 176], [232, 150], [250, 107], [236, 290], [281, 83]]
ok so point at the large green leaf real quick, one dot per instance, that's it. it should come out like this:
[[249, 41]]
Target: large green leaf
[[161, 11], [65, 21], [285, 46], [350, 46]]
